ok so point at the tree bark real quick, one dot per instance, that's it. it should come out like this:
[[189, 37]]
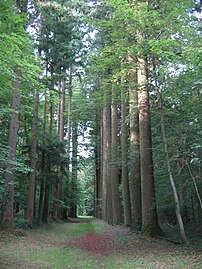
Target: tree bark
[[114, 163], [73, 197], [149, 213], [106, 182], [134, 146], [98, 166], [69, 123], [124, 153]]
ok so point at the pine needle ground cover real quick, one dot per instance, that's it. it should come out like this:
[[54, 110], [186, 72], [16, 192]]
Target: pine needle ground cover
[[90, 244]]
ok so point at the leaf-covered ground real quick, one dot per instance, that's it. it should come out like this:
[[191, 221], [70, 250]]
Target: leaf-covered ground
[[92, 244]]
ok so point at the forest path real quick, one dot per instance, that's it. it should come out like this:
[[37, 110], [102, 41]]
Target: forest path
[[90, 243]]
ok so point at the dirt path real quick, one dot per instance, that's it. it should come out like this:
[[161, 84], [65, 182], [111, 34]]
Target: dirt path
[[90, 244]]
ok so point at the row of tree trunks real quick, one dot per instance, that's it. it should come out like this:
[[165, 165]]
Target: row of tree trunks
[[142, 211]]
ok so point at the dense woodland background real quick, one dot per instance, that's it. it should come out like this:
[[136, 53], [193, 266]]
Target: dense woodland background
[[101, 113]]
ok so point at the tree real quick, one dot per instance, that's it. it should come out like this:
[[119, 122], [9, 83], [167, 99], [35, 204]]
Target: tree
[[15, 37], [149, 214], [106, 182], [116, 210], [74, 183], [32, 175], [170, 175], [69, 124], [98, 164], [134, 145], [43, 162], [8, 200], [124, 151]]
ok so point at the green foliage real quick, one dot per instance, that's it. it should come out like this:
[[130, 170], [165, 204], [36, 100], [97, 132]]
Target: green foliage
[[146, 231], [20, 222], [61, 38], [86, 188], [72, 35], [15, 48], [168, 34]]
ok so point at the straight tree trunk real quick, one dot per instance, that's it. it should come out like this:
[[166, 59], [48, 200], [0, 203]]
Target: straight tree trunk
[[56, 181], [43, 164], [48, 165], [69, 123], [73, 198], [8, 198], [106, 182], [59, 183], [124, 153], [98, 175], [114, 163], [61, 137], [56, 202], [134, 146], [32, 175], [149, 213]]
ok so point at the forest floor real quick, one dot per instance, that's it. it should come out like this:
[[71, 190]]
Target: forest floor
[[89, 243]]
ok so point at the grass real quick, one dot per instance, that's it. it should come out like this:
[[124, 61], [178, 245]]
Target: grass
[[56, 258], [49, 249]]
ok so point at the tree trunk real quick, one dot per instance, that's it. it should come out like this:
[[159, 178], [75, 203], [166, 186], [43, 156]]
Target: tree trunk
[[98, 167], [56, 180], [170, 175], [134, 147], [43, 163], [48, 164], [61, 137], [59, 184], [106, 182], [124, 153], [114, 163], [32, 175], [69, 119], [73, 198], [8, 198], [149, 213]]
